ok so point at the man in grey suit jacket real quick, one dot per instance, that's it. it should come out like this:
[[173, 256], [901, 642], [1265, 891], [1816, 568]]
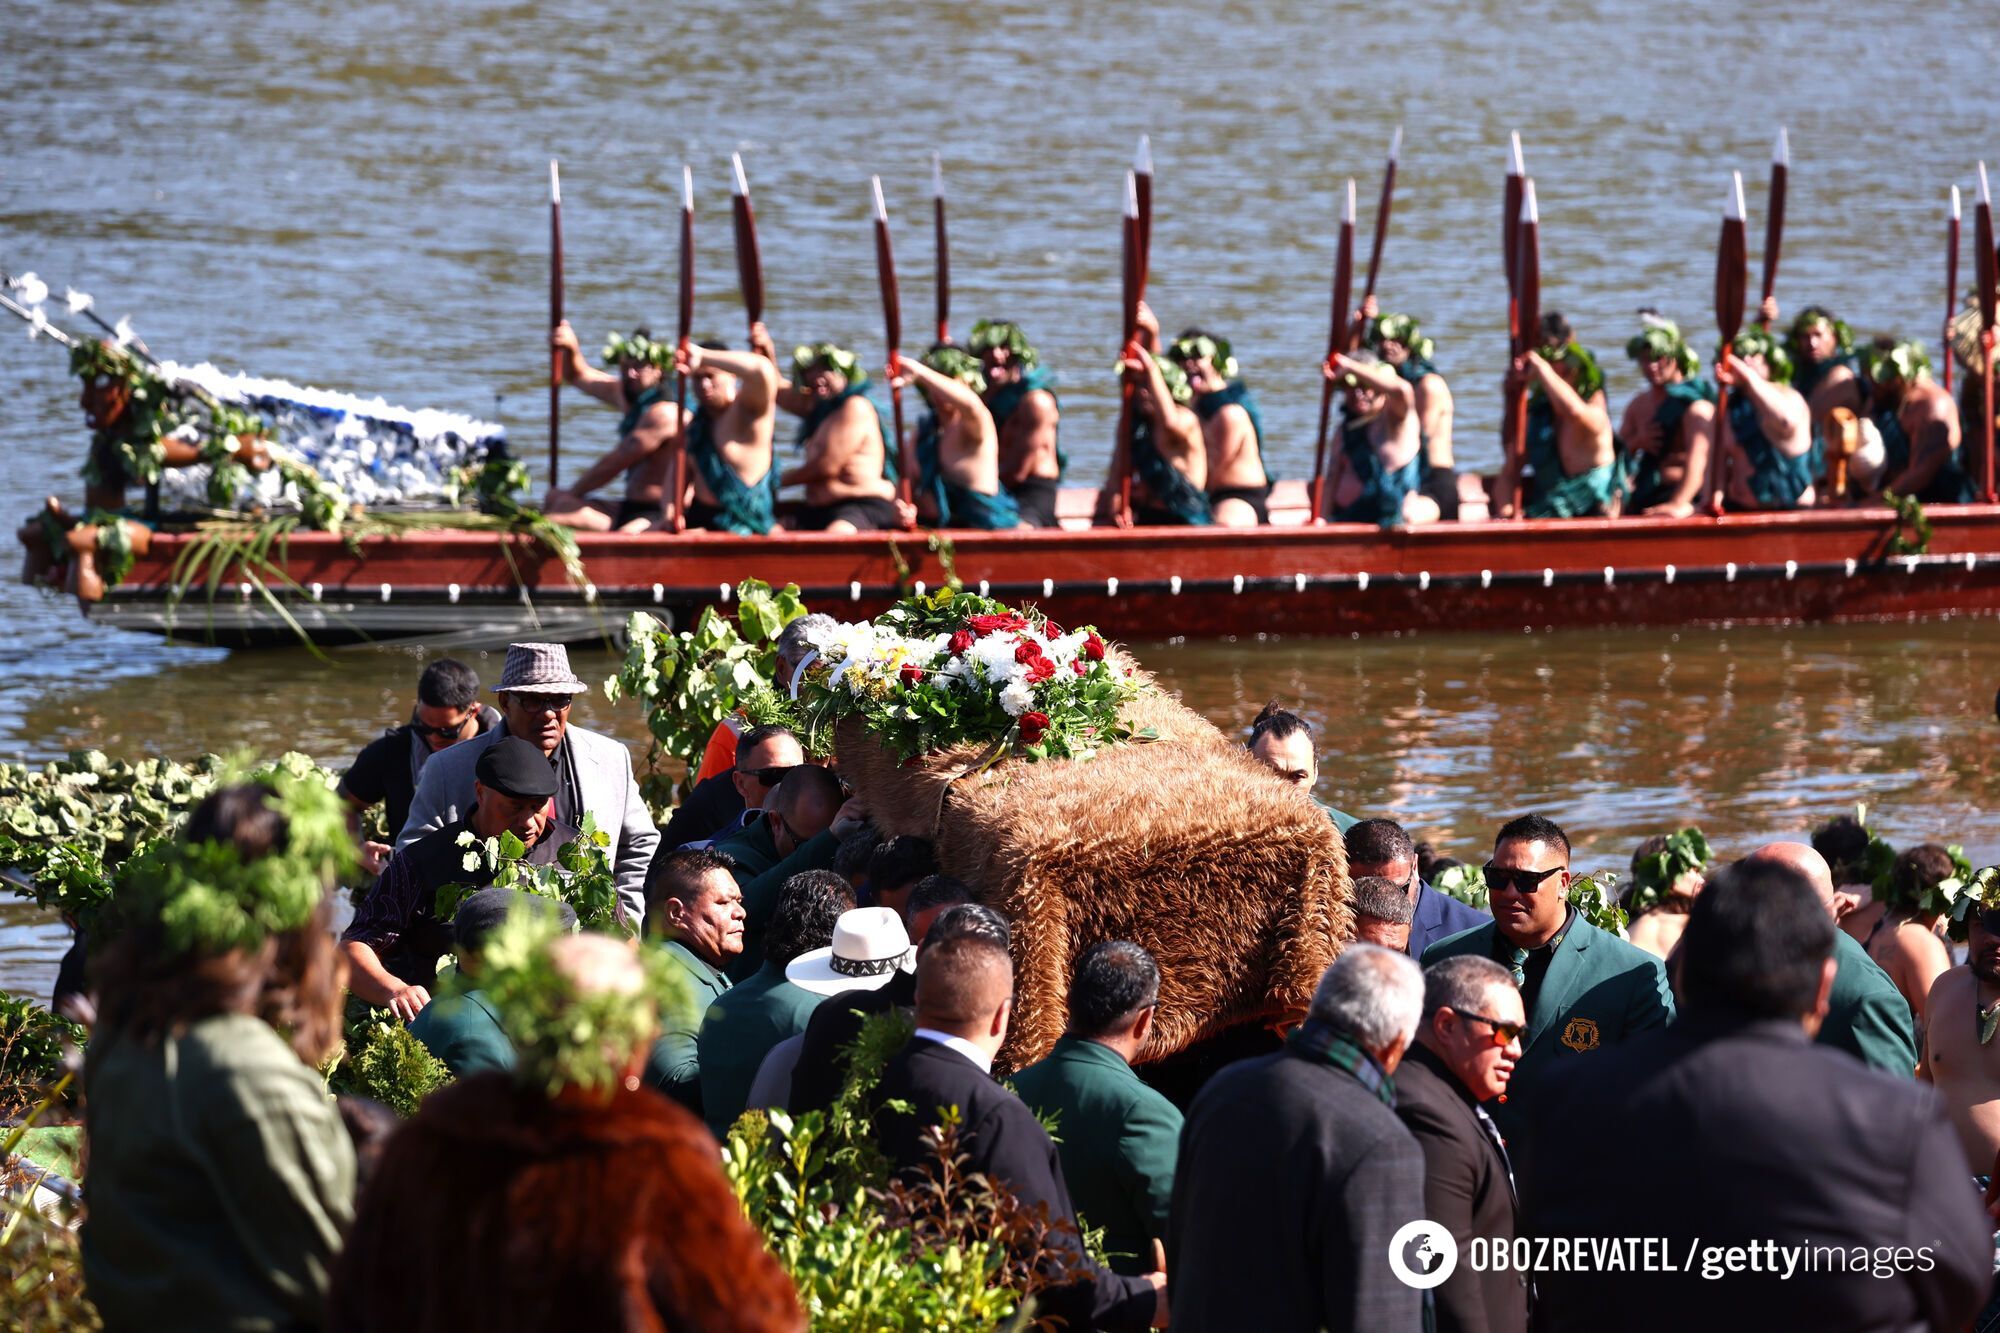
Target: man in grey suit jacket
[[593, 772]]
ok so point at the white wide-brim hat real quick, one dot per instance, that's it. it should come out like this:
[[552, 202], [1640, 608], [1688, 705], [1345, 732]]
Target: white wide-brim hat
[[869, 946]]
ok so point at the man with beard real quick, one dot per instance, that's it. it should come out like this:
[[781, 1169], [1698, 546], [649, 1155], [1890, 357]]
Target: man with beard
[[849, 472], [1570, 451], [1020, 395], [1919, 425], [650, 421], [1768, 439], [1669, 425], [1959, 1046], [733, 482], [1381, 444], [958, 450], [1826, 367]]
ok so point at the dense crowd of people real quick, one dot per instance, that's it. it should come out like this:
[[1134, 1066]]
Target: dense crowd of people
[[1813, 419], [1783, 1065]]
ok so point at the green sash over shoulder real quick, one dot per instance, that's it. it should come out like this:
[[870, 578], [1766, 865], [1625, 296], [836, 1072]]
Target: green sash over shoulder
[[958, 506], [1206, 405], [1644, 486], [1776, 481], [640, 406], [826, 407], [748, 511], [1002, 401], [1166, 485], [1807, 378], [1551, 493], [1382, 491], [1415, 368], [1951, 485]]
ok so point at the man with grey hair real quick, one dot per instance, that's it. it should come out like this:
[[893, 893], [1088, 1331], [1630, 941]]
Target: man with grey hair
[[1382, 913], [1294, 1166], [793, 648], [1465, 1053]]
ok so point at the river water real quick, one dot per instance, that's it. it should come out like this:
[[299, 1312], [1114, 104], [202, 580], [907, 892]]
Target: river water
[[353, 195]]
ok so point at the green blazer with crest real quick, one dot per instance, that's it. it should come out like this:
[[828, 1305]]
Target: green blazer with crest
[[1598, 991]]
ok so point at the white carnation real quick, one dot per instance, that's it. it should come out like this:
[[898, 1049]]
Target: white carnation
[[1017, 698]]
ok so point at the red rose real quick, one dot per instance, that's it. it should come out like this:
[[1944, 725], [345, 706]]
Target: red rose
[[1040, 670], [984, 625], [1078, 667], [911, 673], [1093, 648], [1027, 651], [1033, 726], [961, 641]]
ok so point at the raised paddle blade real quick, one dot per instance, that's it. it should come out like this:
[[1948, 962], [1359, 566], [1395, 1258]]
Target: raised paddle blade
[[556, 358], [1528, 267], [1343, 275], [685, 322], [1731, 264], [1133, 261], [1142, 190], [749, 260], [942, 248], [1951, 232], [1510, 211], [1983, 256], [885, 270], [1774, 221], [555, 183], [1382, 206]]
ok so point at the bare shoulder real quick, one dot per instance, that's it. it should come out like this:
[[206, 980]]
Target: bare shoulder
[[1954, 986], [1040, 406]]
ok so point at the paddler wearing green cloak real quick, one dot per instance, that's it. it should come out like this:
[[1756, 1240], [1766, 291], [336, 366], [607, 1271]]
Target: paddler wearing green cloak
[[848, 472], [1919, 425], [650, 421], [733, 483], [1571, 453], [1239, 487], [1768, 436], [1404, 346], [1381, 444], [958, 448], [1668, 431], [1020, 396], [1169, 457]]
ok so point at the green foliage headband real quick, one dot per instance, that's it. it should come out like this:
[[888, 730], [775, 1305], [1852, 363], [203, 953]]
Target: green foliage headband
[[208, 900], [1202, 346], [1812, 315], [989, 334], [1660, 340], [828, 356], [1176, 379], [1756, 342], [1589, 379], [1905, 361], [567, 1039], [640, 348], [958, 364], [1401, 329]]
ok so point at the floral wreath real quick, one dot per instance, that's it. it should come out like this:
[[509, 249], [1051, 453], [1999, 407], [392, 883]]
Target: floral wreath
[[1756, 342], [1795, 337], [1659, 340], [1176, 379], [989, 334], [1653, 879], [207, 899], [1976, 893], [958, 364], [828, 356], [1400, 329], [1905, 360], [1202, 346], [640, 347], [1589, 377]]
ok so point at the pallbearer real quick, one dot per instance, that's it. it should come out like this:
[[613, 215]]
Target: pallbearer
[[1570, 453], [1401, 344], [1919, 425], [1767, 436], [1669, 426], [651, 421], [847, 471], [1020, 395], [957, 447], [733, 486]]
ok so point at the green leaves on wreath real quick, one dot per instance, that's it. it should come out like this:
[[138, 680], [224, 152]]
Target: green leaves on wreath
[[1595, 901], [1654, 878]]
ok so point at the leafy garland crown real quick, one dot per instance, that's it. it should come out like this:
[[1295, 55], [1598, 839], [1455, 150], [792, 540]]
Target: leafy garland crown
[[988, 334], [828, 356], [1589, 377], [1653, 879], [958, 364], [1401, 329], [1203, 346], [1756, 342], [1904, 360], [639, 348], [1660, 339]]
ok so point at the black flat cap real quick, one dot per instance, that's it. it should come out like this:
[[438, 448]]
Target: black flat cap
[[481, 913], [515, 768]]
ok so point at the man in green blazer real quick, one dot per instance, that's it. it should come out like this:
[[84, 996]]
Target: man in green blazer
[[1583, 988], [1117, 1138], [695, 909], [460, 1027]]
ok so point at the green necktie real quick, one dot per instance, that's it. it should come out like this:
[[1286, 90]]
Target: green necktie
[[1517, 963]]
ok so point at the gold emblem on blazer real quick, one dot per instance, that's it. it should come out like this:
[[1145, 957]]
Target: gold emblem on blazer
[[1580, 1034]]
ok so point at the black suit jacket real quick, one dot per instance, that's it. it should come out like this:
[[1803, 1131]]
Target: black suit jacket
[[1292, 1179], [1466, 1190], [822, 1064], [1747, 1132], [1002, 1139], [712, 806]]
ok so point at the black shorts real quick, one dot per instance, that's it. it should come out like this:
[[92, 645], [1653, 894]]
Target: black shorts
[[1150, 516], [631, 509], [1441, 485], [1257, 497], [867, 513], [1036, 499]]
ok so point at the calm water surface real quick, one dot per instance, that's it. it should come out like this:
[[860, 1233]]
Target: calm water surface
[[351, 195]]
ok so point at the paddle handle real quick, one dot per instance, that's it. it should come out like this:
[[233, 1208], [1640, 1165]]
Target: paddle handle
[[1950, 286], [556, 355]]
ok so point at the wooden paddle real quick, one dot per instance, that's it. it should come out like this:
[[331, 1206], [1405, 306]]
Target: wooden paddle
[[677, 465], [892, 317], [1382, 212], [1336, 341], [1132, 283], [1988, 269], [556, 356], [1142, 190], [1774, 221], [1731, 277], [1510, 223], [1950, 283], [1527, 317], [749, 259], [942, 246]]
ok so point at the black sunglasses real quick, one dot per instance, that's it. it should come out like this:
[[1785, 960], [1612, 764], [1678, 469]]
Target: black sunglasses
[[769, 777], [1520, 881], [422, 730]]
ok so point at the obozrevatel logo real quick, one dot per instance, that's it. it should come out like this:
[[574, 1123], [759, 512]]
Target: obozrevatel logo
[[1422, 1254]]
